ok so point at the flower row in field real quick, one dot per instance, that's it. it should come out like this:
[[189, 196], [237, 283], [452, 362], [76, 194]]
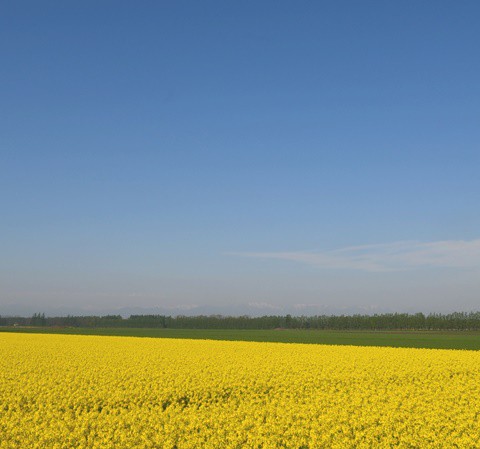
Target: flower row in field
[[59, 391]]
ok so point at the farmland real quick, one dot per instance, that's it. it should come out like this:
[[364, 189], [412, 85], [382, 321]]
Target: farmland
[[78, 391], [408, 339]]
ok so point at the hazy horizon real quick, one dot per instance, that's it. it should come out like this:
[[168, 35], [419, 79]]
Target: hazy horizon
[[239, 157]]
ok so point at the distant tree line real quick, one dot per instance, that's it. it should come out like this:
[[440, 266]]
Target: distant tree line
[[387, 321]]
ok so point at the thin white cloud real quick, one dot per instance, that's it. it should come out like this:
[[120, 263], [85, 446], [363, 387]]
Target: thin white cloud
[[396, 256], [263, 305]]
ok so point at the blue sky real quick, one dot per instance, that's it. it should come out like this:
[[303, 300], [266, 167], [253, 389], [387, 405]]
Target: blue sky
[[211, 154]]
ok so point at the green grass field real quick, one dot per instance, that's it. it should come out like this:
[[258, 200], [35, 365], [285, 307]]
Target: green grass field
[[410, 339]]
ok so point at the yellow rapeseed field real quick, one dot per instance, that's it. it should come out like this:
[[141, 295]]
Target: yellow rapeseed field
[[65, 391]]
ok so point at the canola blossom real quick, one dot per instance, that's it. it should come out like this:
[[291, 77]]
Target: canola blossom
[[70, 391]]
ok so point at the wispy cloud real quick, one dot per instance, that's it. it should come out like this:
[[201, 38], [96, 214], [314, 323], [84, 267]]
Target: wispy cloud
[[263, 305], [396, 256]]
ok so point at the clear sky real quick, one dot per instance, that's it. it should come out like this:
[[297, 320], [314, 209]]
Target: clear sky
[[269, 155]]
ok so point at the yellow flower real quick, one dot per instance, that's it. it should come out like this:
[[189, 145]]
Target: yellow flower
[[66, 391]]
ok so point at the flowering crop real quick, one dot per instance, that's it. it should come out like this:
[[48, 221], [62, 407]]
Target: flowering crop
[[66, 391]]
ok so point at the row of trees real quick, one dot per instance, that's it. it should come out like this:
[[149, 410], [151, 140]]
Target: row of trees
[[388, 321]]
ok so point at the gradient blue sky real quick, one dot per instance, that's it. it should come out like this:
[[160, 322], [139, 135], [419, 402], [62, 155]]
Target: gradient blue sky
[[165, 154]]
